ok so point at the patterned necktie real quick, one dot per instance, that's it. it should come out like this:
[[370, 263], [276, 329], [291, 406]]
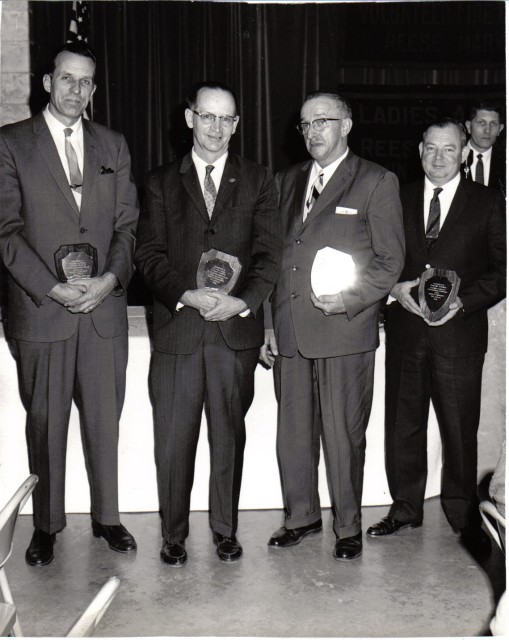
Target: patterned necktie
[[316, 190], [479, 169], [433, 226], [72, 159], [210, 192]]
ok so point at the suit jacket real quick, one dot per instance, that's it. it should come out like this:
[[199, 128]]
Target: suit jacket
[[497, 177], [372, 234], [472, 242], [38, 214], [175, 229]]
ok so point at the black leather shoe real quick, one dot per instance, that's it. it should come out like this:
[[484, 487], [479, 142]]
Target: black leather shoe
[[387, 526], [348, 548], [228, 549], [40, 549], [174, 553], [288, 537], [116, 535]]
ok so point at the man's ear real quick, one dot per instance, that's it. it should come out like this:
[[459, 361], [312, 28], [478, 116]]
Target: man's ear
[[46, 82], [189, 118], [469, 127]]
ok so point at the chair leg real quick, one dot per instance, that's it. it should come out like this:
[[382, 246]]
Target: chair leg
[[7, 596]]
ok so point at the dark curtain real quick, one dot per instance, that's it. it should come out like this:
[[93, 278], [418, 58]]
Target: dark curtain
[[400, 64]]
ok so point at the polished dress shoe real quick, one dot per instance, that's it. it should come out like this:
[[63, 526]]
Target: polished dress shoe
[[174, 553], [40, 549], [348, 548], [388, 525], [288, 537], [228, 549], [116, 535]]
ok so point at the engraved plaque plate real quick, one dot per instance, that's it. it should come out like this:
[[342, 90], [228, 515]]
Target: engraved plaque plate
[[438, 288], [76, 261], [218, 270]]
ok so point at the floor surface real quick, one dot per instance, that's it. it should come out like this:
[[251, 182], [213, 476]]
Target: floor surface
[[420, 582]]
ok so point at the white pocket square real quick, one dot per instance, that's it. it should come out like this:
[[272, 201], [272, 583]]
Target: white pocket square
[[345, 211]]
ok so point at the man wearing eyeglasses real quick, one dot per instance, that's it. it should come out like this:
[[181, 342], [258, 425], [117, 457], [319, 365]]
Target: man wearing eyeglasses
[[206, 342], [323, 346]]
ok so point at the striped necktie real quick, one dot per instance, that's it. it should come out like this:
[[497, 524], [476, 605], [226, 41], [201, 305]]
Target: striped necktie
[[72, 159], [209, 192], [316, 190]]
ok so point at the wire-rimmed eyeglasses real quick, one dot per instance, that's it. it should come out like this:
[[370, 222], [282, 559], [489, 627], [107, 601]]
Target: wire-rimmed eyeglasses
[[318, 125], [209, 118]]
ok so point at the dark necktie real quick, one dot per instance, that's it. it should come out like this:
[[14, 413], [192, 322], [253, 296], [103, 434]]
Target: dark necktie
[[433, 226], [314, 195], [479, 169], [209, 192], [72, 159]]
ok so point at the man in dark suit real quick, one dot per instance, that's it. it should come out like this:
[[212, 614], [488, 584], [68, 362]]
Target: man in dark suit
[[457, 225], [485, 161], [67, 181], [205, 342], [325, 344]]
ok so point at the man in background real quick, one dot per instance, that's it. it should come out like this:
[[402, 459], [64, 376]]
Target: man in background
[[206, 342], [485, 161], [324, 346], [67, 196]]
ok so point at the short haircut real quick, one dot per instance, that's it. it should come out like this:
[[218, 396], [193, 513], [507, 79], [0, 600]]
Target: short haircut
[[342, 104], [487, 105], [443, 123], [192, 96], [79, 48]]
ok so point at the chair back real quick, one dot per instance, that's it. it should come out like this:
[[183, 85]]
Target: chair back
[[494, 521], [89, 619], [9, 514]]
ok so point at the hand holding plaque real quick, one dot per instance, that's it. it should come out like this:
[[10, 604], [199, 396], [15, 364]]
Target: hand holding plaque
[[438, 288], [218, 270], [76, 261]]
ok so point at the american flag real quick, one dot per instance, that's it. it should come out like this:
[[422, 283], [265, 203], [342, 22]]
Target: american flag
[[80, 22]]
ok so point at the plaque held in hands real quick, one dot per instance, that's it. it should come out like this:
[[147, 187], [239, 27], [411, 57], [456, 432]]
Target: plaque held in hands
[[218, 270], [76, 261], [438, 288]]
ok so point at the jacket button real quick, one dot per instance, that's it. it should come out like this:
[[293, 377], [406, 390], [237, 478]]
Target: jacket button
[[294, 268], [212, 232], [298, 241], [428, 266], [294, 295], [83, 230]]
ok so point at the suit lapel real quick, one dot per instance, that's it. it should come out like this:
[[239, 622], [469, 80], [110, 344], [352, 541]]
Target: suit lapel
[[192, 186], [334, 187], [229, 182], [300, 194], [50, 155], [89, 163], [457, 205]]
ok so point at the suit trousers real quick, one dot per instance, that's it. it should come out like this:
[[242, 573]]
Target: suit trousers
[[454, 386], [92, 371], [222, 380], [331, 399]]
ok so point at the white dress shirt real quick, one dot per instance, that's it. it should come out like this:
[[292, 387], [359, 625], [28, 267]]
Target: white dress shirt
[[446, 196], [56, 128], [327, 172], [486, 161], [216, 175]]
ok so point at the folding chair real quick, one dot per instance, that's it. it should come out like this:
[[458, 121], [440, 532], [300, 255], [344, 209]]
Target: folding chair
[[8, 517], [490, 514], [89, 619]]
